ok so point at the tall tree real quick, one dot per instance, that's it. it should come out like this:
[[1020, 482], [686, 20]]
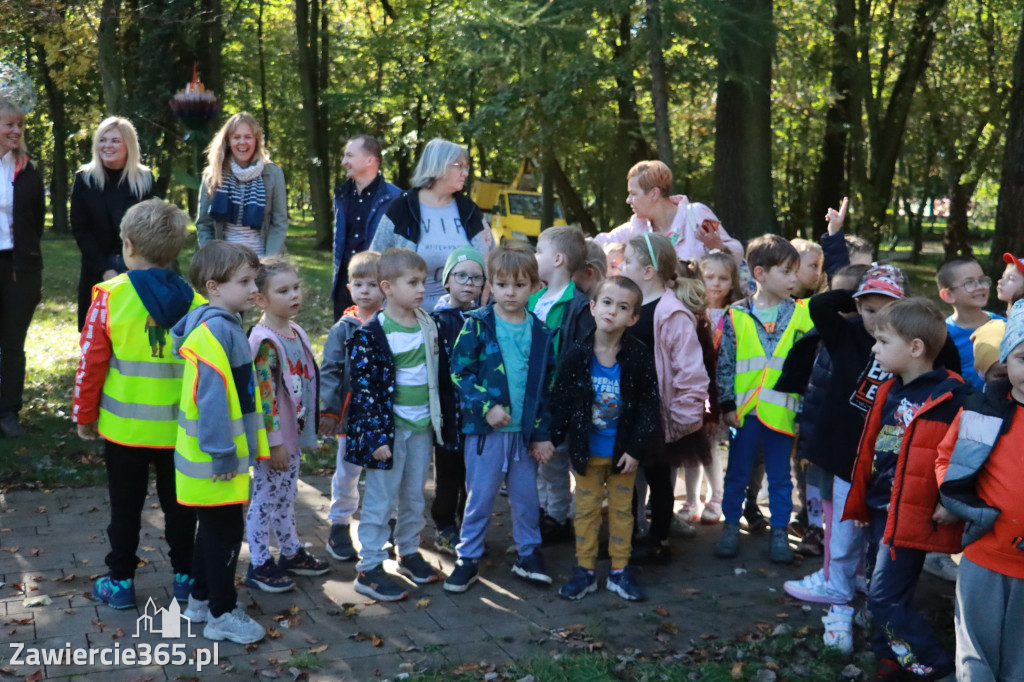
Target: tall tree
[[743, 136], [659, 83], [1009, 235]]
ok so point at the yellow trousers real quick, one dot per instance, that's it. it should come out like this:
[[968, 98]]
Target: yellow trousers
[[590, 488]]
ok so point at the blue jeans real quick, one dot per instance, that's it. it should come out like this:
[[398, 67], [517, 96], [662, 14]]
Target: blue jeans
[[898, 631], [742, 449]]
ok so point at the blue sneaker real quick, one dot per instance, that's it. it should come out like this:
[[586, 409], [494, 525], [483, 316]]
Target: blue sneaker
[[622, 584], [531, 567], [182, 587], [117, 594], [464, 575], [582, 583]]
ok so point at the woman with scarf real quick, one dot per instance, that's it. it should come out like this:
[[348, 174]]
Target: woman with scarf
[[242, 197]]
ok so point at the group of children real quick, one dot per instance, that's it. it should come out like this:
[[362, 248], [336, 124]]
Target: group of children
[[537, 367]]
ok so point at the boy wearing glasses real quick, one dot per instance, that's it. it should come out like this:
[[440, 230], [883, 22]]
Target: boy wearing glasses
[[463, 277], [963, 284]]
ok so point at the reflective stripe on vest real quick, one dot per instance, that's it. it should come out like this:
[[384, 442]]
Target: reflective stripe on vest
[[757, 373], [193, 467], [142, 388]]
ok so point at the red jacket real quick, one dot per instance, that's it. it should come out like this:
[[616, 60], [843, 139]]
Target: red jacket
[[915, 491]]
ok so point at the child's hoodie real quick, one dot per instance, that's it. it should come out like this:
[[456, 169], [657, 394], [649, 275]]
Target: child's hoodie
[[214, 439]]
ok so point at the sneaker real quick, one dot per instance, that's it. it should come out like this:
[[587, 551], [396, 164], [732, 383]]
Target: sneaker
[[728, 545], [197, 611], [650, 552], [582, 583], [303, 564], [552, 532], [754, 517], [813, 542], [415, 568], [689, 512], [712, 510], [839, 628], [621, 583], [941, 566], [446, 540], [268, 577], [778, 546], [531, 567], [377, 584], [182, 587], [464, 575], [683, 528], [339, 545], [117, 594], [10, 427], [235, 626], [812, 588]]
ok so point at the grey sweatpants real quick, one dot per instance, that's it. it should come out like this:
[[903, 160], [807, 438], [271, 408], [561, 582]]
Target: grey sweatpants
[[989, 625]]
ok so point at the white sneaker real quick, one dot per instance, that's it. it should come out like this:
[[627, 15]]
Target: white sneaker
[[838, 628], [197, 611], [811, 588], [235, 626], [941, 566]]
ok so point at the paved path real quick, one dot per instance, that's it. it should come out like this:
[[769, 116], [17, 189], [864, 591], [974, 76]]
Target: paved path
[[52, 545]]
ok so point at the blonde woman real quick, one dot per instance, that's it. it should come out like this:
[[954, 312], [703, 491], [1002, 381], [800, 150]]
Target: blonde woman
[[22, 214], [243, 196], [103, 191]]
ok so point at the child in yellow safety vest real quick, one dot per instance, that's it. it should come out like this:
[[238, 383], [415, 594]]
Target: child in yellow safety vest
[[128, 395], [758, 333], [220, 433]]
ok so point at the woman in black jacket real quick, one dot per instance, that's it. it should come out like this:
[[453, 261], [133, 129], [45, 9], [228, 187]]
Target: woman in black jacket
[[22, 213], [104, 190]]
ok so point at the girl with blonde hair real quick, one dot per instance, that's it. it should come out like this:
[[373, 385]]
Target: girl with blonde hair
[[243, 196]]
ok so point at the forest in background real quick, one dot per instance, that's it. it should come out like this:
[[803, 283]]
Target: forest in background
[[767, 110]]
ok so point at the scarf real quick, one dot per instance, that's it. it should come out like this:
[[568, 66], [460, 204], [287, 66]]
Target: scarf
[[241, 198]]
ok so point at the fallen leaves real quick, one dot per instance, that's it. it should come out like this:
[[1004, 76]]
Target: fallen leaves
[[374, 640]]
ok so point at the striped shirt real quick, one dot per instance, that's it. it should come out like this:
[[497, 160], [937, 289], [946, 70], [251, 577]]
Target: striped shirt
[[412, 397]]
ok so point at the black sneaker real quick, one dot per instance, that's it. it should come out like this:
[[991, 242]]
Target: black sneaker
[[464, 575], [447, 540], [377, 584], [415, 568], [650, 552], [303, 564], [268, 578], [531, 567], [552, 532], [755, 518], [340, 544]]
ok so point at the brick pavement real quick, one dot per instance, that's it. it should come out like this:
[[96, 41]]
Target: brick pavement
[[52, 544]]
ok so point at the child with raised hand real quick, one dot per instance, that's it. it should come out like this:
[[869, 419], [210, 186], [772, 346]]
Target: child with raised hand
[[894, 488], [287, 376], [979, 468], [502, 366], [669, 330], [364, 288], [608, 434], [758, 334], [220, 433], [127, 392], [394, 420], [561, 254], [464, 279]]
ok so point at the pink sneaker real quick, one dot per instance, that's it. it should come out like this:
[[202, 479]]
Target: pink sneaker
[[689, 512], [712, 510]]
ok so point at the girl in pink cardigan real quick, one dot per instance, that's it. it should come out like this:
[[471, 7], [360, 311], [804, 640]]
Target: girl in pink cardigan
[[670, 330]]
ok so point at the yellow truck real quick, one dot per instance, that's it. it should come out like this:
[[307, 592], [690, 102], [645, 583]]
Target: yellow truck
[[513, 211]]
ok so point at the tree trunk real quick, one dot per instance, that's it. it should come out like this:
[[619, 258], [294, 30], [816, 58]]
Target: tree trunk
[[307, 27], [1009, 235], [109, 56], [59, 133], [659, 84], [743, 158], [211, 66], [575, 211], [832, 165], [957, 239], [264, 109]]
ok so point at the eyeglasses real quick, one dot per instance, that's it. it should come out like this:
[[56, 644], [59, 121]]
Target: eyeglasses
[[972, 285], [461, 167], [466, 278]]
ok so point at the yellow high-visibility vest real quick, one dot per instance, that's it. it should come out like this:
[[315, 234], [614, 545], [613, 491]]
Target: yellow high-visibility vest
[[142, 388], [193, 467], [756, 372]]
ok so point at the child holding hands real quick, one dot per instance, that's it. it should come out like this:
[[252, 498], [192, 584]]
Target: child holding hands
[[288, 380]]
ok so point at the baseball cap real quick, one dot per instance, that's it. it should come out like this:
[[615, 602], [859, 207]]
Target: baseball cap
[[884, 280], [1010, 258]]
